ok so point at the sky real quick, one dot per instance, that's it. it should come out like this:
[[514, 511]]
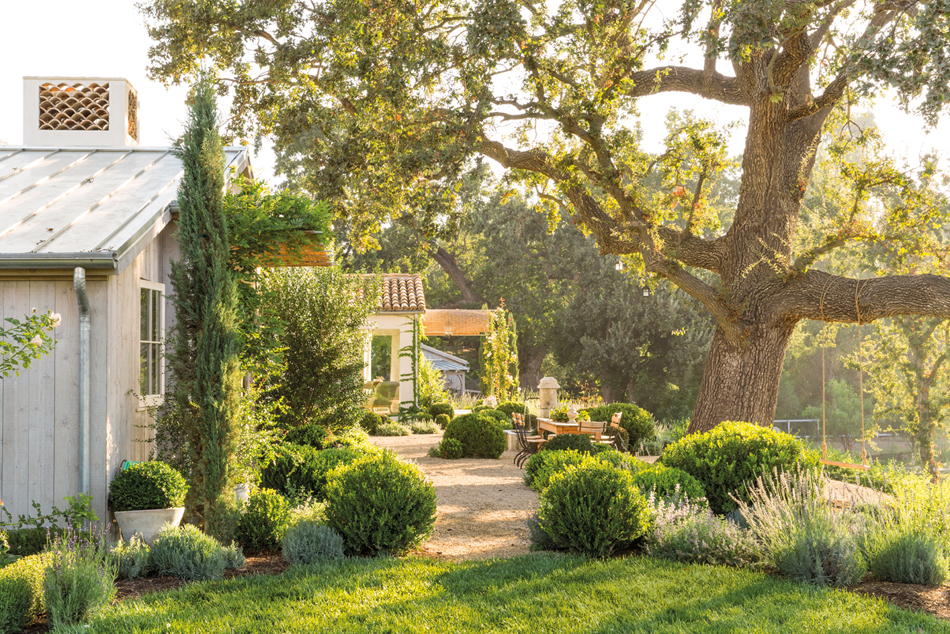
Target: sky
[[107, 38]]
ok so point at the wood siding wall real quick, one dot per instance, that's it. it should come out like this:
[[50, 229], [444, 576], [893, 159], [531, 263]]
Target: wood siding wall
[[39, 410]]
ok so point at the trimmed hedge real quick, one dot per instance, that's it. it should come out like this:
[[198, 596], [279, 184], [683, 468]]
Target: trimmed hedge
[[380, 505], [638, 422], [441, 408], [728, 458], [442, 421], [312, 435], [543, 465], [480, 435], [593, 509], [664, 481], [370, 422], [21, 592], [299, 470], [147, 485], [574, 442], [265, 521]]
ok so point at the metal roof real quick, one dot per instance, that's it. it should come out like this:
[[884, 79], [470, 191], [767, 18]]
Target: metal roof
[[66, 207], [442, 360]]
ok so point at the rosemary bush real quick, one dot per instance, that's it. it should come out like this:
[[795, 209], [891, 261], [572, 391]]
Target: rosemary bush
[[424, 427], [392, 429], [187, 553]]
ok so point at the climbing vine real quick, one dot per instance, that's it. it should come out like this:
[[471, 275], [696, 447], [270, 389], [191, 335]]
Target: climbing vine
[[412, 353], [499, 356]]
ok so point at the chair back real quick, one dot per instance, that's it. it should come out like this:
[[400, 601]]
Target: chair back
[[593, 428]]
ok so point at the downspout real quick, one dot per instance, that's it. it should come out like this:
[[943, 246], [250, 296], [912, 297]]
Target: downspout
[[79, 283]]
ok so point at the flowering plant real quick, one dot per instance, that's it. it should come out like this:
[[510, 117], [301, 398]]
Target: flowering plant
[[25, 341]]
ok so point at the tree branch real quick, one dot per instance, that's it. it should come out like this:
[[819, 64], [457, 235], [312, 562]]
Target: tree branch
[[711, 85], [831, 298]]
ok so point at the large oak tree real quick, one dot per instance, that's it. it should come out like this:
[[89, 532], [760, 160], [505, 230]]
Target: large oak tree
[[379, 105]]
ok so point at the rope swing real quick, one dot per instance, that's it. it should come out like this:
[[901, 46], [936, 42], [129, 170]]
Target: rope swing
[[824, 447]]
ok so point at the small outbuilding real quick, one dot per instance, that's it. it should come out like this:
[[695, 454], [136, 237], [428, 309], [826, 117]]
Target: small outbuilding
[[87, 230]]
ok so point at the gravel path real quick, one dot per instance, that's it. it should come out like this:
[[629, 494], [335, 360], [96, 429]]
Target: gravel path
[[483, 504]]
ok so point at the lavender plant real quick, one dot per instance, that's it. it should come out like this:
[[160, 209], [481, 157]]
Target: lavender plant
[[800, 534], [688, 531], [132, 559], [81, 578]]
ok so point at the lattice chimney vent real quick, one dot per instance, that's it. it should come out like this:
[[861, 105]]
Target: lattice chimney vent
[[74, 107], [79, 111]]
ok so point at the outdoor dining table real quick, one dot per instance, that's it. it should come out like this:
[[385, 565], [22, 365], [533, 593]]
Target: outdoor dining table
[[546, 424]]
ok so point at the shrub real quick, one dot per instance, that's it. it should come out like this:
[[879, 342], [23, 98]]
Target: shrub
[[479, 435], [264, 522], [21, 592], [392, 429], [666, 482], [512, 407], [538, 538], [574, 442], [502, 419], [299, 471], [424, 427], [442, 420], [908, 556], [380, 504], [233, 557], [445, 409], [187, 553], [370, 422], [80, 580], [638, 422], [30, 541], [593, 509], [312, 435], [147, 485], [801, 535], [306, 542], [132, 559], [729, 458], [450, 449], [689, 532], [543, 465]]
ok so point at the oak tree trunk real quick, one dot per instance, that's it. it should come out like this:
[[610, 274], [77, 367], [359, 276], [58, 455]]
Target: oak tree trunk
[[741, 383]]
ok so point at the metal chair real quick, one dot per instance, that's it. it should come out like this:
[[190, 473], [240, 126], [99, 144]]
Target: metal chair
[[616, 433], [529, 444]]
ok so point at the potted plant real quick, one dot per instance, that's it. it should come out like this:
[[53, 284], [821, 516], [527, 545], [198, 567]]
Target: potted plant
[[145, 497]]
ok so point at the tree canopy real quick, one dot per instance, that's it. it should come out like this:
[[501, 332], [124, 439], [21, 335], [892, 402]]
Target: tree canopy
[[381, 106]]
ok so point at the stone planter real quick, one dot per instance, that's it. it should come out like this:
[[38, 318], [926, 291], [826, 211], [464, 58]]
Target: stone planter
[[147, 523], [512, 438]]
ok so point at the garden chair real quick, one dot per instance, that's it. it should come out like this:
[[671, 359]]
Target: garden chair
[[595, 429], [614, 435], [528, 443]]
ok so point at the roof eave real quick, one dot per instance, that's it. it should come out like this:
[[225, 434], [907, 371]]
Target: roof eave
[[104, 260]]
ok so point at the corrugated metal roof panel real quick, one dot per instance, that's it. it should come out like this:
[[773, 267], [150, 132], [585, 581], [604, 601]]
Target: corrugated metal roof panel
[[75, 201]]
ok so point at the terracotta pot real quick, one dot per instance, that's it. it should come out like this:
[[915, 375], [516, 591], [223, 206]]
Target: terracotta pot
[[147, 523]]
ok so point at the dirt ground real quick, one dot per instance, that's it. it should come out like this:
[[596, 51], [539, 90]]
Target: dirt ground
[[483, 505]]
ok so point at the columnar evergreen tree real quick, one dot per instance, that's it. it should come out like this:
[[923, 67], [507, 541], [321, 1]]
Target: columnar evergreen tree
[[205, 353]]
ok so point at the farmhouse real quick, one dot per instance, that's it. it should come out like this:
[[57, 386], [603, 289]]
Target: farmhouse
[[87, 224]]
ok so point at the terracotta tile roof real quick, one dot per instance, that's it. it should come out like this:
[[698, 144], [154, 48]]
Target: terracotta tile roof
[[401, 294]]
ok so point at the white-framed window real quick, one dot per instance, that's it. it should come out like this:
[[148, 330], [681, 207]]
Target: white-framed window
[[151, 336]]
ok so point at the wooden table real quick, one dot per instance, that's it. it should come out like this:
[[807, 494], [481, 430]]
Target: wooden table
[[546, 424]]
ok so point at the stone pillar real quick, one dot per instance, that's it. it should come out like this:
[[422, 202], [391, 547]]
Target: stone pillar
[[548, 388]]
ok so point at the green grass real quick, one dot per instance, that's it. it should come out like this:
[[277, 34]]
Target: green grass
[[531, 594]]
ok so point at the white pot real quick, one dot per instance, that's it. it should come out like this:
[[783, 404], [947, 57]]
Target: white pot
[[242, 492], [512, 438], [147, 523]]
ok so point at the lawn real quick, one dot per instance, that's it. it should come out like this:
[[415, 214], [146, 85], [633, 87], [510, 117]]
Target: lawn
[[531, 594]]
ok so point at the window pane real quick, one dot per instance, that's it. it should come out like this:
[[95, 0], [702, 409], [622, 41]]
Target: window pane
[[156, 312], [143, 335], [155, 383], [143, 381]]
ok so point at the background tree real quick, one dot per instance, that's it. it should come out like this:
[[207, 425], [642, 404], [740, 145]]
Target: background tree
[[378, 107], [205, 361], [323, 314]]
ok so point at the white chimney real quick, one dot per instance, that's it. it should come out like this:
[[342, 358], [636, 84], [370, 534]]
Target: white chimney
[[79, 111]]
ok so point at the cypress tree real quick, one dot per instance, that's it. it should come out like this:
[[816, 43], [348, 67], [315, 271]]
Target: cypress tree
[[205, 343]]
